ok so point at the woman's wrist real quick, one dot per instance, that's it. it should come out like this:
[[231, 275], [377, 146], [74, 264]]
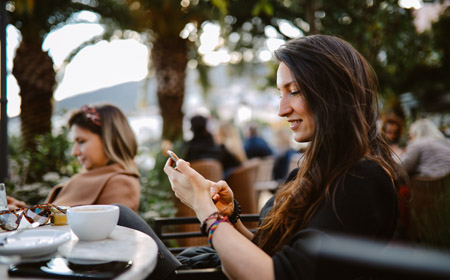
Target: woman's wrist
[[204, 208], [236, 215]]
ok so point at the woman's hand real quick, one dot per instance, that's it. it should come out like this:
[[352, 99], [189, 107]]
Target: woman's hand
[[191, 188], [222, 195], [14, 203]]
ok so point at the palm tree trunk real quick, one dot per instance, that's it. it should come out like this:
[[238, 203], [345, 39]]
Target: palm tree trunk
[[33, 70], [169, 57]]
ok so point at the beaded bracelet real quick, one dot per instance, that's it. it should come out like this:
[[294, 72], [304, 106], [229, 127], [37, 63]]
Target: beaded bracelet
[[213, 228], [236, 215], [216, 215]]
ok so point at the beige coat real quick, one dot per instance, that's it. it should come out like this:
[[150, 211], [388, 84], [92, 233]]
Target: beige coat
[[104, 185]]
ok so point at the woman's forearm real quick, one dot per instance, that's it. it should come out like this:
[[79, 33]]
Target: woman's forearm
[[241, 258], [239, 226]]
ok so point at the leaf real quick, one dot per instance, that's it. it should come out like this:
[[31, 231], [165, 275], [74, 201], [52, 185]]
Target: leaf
[[257, 9], [268, 8], [221, 5]]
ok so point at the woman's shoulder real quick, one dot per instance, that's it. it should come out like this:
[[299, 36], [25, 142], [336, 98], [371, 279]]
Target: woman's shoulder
[[123, 179], [367, 176], [367, 168]]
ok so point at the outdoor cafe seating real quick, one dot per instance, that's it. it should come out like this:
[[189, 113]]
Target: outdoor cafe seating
[[395, 261], [398, 260]]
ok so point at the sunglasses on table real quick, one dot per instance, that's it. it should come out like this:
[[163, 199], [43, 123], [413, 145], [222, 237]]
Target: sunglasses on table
[[10, 219]]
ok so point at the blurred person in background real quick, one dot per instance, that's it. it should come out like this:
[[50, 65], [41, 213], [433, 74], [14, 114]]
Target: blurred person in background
[[392, 128], [202, 144], [255, 145], [229, 139], [286, 149], [106, 146], [428, 151]]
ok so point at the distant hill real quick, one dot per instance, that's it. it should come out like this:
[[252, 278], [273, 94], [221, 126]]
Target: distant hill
[[125, 96]]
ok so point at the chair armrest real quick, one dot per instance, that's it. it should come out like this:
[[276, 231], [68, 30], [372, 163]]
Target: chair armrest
[[200, 273]]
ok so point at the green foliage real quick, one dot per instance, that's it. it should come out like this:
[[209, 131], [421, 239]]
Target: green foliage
[[34, 172], [157, 198], [429, 80]]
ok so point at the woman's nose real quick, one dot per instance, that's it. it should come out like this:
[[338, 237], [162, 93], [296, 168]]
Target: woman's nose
[[75, 150], [284, 109]]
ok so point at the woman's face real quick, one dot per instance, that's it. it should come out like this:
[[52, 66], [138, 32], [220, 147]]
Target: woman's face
[[293, 106], [88, 148], [391, 130]]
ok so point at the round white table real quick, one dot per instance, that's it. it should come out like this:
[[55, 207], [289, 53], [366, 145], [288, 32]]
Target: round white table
[[124, 244]]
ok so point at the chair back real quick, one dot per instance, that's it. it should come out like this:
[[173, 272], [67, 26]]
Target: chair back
[[210, 169], [242, 182], [264, 174], [430, 210]]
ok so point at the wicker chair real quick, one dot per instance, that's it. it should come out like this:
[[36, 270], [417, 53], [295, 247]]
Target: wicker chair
[[242, 181], [430, 197], [210, 169]]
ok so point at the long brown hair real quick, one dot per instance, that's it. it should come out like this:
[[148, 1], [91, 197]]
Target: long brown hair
[[110, 123], [340, 90]]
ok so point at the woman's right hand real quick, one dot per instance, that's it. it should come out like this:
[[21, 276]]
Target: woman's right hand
[[14, 203], [223, 197]]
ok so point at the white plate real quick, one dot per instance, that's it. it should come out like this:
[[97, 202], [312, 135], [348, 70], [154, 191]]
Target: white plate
[[32, 243]]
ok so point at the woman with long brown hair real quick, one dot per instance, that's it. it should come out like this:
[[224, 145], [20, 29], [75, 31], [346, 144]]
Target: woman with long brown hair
[[347, 180], [106, 146], [346, 184]]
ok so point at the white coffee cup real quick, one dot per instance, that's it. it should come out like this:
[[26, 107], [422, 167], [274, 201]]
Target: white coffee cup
[[93, 222]]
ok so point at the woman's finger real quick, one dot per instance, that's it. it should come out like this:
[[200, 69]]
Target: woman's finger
[[195, 177]]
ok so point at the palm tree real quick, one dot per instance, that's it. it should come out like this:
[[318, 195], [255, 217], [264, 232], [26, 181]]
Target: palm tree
[[33, 67], [162, 21]]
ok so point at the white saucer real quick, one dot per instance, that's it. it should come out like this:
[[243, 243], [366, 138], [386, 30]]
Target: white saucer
[[32, 243]]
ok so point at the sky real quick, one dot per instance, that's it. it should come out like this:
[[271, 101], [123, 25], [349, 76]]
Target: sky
[[110, 63], [106, 63], [97, 66]]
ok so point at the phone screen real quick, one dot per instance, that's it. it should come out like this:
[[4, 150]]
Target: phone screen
[[66, 268]]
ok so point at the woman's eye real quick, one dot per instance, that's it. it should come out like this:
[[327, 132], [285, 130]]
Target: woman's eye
[[295, 92]]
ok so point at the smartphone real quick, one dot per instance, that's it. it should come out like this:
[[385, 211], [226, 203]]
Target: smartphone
[[173, 156], [66, 268]]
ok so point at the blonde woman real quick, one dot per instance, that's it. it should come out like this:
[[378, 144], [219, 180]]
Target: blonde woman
[[428, 151], [230, 141], [106, 146]]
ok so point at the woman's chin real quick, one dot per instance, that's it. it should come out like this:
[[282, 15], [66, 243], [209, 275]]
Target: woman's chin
[[300, 138]]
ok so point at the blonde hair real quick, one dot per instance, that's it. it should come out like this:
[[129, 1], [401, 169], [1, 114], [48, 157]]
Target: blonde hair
[[229, 136], [425, 128], [118, 139]]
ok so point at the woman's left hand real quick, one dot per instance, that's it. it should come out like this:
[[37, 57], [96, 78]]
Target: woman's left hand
[[190, 187]]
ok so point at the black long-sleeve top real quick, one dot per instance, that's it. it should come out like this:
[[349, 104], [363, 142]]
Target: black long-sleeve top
[[365, 205]]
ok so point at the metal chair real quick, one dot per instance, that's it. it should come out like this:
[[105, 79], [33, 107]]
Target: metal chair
[[164, 229], [394, 261]]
